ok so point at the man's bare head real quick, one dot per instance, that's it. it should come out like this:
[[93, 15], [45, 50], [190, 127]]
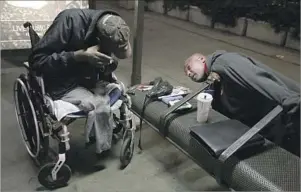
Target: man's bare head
[[195, 67]]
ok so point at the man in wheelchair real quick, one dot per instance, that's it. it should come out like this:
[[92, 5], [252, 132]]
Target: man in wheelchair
[[248, 90], [77, 57]]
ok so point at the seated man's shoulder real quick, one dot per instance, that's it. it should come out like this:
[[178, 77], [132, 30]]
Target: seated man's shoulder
[[71, 12]]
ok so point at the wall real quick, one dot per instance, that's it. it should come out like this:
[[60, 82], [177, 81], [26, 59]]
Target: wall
[[245, 27], [40, 13], [128, 4]]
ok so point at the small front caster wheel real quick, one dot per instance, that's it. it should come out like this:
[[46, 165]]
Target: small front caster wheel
[[62, 178], [126, 152]]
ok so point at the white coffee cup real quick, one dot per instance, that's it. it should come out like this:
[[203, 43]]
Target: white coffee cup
[[204, 105]]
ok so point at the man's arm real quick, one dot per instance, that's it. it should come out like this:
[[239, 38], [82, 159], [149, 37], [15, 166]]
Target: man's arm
[[49, 55]]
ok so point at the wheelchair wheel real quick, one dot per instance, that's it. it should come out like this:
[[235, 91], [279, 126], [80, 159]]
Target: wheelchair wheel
[[62, 178], [26, 117], [127, 151]]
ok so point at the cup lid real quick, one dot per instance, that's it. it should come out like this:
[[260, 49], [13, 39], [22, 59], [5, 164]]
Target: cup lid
[[204, 97]]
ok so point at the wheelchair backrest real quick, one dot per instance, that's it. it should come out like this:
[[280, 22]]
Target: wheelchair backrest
[[34, 37]]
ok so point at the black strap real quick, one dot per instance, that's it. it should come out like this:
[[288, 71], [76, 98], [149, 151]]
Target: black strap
[[246, 137], [173, 108], [145, 103], [250, 133]]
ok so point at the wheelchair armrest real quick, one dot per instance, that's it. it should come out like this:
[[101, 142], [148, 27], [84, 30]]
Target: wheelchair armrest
[[114, 77], [26, 65], [39, 78], [122, 86], [41, 83], [49, 103], [123, 89]]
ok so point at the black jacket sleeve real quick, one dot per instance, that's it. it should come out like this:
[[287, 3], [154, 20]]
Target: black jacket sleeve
[[49, 55]]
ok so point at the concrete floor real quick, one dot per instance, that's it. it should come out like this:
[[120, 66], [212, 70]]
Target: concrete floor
[[161, 167]]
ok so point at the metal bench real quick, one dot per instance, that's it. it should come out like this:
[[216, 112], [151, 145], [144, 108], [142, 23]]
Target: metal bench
[[268, 168]]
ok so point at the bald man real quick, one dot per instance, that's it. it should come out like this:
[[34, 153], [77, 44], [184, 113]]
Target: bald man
[[249, 88]]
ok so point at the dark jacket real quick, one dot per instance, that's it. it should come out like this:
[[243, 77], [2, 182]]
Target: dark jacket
[[53, 55], [251, 89]]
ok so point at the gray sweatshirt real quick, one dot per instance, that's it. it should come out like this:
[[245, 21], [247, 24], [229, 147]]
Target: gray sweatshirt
[[251, 89]]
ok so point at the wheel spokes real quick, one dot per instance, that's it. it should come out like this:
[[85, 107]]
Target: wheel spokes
[[27, 119]]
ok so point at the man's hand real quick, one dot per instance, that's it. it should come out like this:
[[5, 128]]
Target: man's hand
[[93, 56], [213, 77]]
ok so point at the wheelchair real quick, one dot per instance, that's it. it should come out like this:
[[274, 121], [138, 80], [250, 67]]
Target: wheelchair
[[38, 124]]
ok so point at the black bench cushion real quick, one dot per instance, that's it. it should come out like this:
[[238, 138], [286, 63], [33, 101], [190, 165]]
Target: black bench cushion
[[217, 137]]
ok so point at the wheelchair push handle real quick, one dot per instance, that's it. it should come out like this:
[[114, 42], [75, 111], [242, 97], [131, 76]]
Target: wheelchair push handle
[[27, 24], [34, 37]]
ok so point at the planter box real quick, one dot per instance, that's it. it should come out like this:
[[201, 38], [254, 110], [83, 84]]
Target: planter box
[[264, 32], [156, 6], [239, 29], [177, 13], [196, 16], [127, 4], [292, 43]]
